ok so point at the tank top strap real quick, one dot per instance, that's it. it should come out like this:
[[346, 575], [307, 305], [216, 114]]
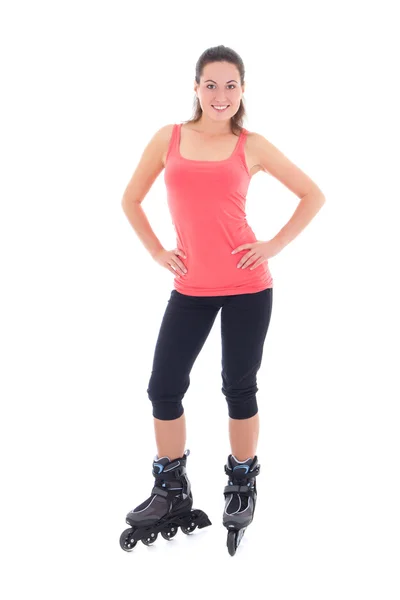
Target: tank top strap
[[242, 139], [173, 147], [239, 152], [173, 142]]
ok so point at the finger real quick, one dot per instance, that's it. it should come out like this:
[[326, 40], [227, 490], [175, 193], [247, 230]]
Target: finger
[[256, 264], [181, 265], [250, 261], [244, 259], [172, 271], [239, 249], [177, 265]]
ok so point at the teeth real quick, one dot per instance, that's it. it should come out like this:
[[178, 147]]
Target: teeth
[[220, 107]]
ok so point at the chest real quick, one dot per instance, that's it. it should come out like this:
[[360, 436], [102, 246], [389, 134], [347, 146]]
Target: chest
[[195, 147]]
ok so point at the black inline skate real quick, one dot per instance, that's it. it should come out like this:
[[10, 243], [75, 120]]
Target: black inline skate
[[240, 498], [168, 508]]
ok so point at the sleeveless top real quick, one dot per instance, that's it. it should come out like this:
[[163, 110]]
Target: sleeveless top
[[207, 201]]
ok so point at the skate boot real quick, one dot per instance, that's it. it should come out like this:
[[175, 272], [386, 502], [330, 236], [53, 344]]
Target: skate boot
[[240, 498], [168, 508]]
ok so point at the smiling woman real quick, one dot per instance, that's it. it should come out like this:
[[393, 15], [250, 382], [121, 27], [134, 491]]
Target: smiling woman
[[219, 82], [207, 201], [208, 164]]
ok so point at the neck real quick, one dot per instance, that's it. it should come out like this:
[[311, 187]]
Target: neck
[[211, 127]]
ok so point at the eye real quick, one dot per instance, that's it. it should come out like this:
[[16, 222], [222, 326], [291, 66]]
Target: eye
[[230, 85]]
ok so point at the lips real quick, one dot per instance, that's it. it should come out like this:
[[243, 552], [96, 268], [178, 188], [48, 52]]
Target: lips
[[217, 107]]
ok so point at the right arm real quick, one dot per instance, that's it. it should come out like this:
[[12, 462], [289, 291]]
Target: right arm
[[149, 167]]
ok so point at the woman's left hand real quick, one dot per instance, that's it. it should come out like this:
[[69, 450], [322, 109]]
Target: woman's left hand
[[258, 252]]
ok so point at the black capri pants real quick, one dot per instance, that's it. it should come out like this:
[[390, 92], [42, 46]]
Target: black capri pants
[[185, 326]]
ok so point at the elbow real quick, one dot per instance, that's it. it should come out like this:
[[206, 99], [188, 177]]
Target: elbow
[[128, 202], [125, 201], [322, 196]]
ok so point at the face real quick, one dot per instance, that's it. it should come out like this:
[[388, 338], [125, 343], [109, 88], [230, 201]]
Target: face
[[219, 85]]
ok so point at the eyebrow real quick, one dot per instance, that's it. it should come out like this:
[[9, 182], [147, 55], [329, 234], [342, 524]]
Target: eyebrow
[[216, 82]]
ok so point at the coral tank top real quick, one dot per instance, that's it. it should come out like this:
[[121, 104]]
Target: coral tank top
[[207, 201]]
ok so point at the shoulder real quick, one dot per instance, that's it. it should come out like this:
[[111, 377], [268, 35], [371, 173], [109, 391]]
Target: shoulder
[[253, 148], [161, 140], [160, 137], [255, 139], [164, 134], [264, 151], [167, 129], [252, 137], [274, 162]]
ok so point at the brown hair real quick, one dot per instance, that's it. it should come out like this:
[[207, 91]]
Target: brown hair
[[219, 54]]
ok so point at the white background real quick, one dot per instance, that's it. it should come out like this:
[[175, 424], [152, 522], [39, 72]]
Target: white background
[[85, 85]]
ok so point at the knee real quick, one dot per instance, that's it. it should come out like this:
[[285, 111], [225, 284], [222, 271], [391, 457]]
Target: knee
[[242, 401], [166, 398]]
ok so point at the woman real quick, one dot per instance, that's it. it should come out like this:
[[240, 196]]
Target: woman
[[218, 264]]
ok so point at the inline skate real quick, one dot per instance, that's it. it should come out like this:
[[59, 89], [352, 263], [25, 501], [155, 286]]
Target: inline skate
[[168, 508], [240, 498]]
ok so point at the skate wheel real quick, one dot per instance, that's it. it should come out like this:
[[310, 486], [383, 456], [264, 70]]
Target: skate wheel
[[126, 542], [189, 528], [232, 542], [150, 539], [169, 533]]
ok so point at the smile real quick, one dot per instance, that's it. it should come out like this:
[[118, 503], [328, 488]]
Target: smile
[[220, 109]]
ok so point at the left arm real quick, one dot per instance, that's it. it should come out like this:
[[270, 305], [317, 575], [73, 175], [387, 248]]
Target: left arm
[[274, 162]]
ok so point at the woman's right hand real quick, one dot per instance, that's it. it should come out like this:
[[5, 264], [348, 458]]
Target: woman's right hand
[[169, 260]]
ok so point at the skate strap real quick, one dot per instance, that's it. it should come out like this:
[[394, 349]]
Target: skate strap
[[239, 489], [171, 475], [159, 491], [249, 475]]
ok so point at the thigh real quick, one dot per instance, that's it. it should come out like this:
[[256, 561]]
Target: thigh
[[185, 326], [244, 324]]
